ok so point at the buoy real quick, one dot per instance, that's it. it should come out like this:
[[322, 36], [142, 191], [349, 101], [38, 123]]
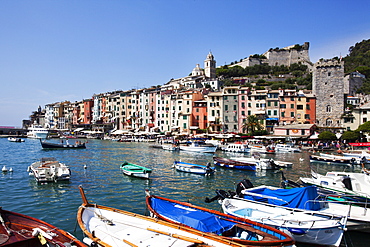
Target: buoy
[[4, 169], [10, 169], [85, 166]]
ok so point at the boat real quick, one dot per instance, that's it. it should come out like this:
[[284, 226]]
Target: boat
[[15, 139], [194, 168], [302, 226], [357, 154], [48, 169], [106, 226], [332, 158], [236, 148], [196, 147], [262, 149], [310, 199], [134, 170], [287, 148], [21, 230], [170, 147], [351, 183], [244, 231], [37, 132], [250, 163], [63, 145]]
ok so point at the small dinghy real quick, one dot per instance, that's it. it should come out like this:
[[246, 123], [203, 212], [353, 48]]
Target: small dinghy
[[112, 227], [243, 231], [22, 230], [134, 170], [194, 168]]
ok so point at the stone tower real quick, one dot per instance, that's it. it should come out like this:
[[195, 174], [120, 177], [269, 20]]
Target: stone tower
[[210, 66], [328, 85]]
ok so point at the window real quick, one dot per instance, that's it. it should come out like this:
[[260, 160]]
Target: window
[[307, 116], [234, 107], [283, 114], [292, 114], [292, 106], [226, 107], [283, 106], [243, 97], [268, 103], [213, 113], [328, 108], [300, 107], [243, 105], [249, 104], [184, 117], [243, 113], [308, 107], [275, 113], [364, 120]]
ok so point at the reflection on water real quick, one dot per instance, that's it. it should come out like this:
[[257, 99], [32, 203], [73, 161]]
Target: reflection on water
[[96, 168]]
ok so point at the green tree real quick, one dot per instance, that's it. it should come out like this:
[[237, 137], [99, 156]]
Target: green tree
[[252, 124], [365, 127], [350, 135], [327, 136]]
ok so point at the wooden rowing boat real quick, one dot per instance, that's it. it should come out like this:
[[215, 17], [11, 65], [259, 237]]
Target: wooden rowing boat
[[22, 230], [107, 226]]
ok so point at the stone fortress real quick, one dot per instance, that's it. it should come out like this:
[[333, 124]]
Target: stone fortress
[[280, 56]]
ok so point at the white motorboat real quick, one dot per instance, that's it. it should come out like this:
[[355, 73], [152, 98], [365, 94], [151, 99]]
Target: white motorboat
[[195, 147], [170, 147], [37, 132], [15, 139], [352, 183], [49, 170], [357, 154], [303, 227], [236, 148], [264, 164], [262, 149], [107, 226], [287, 148], [332, 158]]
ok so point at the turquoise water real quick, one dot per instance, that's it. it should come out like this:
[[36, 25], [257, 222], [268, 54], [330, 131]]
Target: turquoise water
[[105, 184]]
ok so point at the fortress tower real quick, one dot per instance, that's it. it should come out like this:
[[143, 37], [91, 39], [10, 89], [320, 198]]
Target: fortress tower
[[210, 66], [328, 85]]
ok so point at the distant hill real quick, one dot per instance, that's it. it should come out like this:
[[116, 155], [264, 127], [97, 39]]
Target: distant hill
[[358, 59]]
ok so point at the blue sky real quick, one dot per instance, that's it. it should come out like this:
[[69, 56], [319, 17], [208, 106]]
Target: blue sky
[[51, 51]]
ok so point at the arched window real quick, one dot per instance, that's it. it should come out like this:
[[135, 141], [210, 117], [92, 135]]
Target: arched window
[[328, 108], [329, 122]]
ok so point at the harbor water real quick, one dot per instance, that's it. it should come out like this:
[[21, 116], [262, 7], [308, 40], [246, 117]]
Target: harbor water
[[96, 168]]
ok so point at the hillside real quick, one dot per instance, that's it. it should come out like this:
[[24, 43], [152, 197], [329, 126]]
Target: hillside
[[358, 59]]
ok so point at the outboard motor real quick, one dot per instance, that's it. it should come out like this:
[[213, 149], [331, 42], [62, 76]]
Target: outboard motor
[[242, 185], [347, 182]]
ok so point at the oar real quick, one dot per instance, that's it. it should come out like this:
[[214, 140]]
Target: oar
[[196, 241]]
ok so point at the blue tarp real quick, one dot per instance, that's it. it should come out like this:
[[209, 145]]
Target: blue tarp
[[194, 218], [293, 198]]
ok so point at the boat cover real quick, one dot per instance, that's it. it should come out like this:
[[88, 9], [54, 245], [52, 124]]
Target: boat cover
[[302, 197], [197, 219]]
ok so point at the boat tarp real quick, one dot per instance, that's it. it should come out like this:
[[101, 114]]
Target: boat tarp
[[197, 219], [294, 198]]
